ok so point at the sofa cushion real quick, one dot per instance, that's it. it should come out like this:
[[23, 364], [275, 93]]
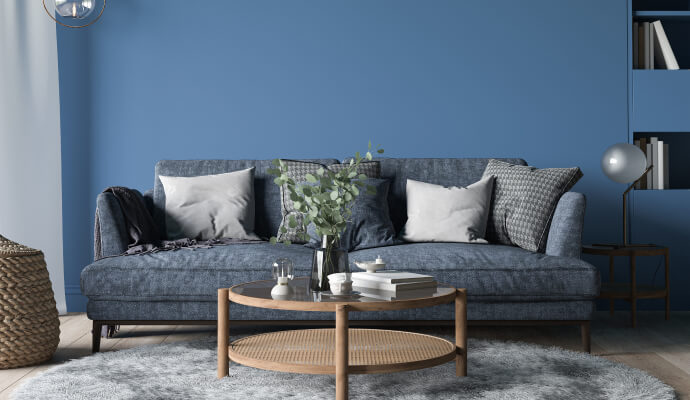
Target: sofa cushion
[[489, 272], [493, 272], [439, 171], [187, 274], [298, 171], [210, 206], [524, 201], [267, 194]]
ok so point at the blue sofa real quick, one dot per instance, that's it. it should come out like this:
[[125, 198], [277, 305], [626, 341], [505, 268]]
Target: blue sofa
[[505, 284]]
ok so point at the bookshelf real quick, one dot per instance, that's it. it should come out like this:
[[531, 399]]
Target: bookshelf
[[659, 99]]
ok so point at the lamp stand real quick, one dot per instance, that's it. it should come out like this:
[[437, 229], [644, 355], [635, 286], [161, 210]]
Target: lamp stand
[[625, 217]]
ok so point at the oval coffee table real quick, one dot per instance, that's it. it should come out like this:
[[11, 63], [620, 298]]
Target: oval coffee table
[[340, 351]]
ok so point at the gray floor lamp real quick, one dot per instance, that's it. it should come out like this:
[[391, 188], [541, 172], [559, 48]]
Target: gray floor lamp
[[625, 163]]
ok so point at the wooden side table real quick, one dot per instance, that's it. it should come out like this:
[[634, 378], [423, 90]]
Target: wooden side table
[[631, 291]]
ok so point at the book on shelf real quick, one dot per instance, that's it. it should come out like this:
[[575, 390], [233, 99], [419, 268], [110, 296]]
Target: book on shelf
[[663, 52], [660, 165], [654, 148], [665, 166], [651, 47], [636, 45], [657, 153]]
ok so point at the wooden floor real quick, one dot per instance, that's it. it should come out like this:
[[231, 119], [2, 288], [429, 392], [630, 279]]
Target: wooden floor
[[659, 347]]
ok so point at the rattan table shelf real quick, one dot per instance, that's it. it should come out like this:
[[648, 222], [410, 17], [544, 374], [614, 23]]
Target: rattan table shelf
[[340, 351]]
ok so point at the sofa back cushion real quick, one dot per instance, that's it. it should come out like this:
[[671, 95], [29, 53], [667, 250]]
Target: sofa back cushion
[[439, 171], [266, 193]]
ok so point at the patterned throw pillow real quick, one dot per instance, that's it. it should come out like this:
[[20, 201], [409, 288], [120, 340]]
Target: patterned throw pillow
[[523, 202], [298, 170]]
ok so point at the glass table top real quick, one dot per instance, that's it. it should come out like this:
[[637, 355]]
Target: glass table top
[[301, 292]]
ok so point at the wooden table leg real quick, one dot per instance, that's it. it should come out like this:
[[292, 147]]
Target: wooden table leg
[[461, 332], [612, 262], [223, 333], [668, 287], [586, 337], [342, 352], [633, 293]]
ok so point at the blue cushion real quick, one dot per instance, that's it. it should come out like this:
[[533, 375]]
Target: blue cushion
[[370, 224], [493, 272], [489, 272]]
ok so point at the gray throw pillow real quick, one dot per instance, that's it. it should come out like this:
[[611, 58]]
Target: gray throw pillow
[[439, 214], [298, 170], [370, 224], [524, 201], [210, 206]]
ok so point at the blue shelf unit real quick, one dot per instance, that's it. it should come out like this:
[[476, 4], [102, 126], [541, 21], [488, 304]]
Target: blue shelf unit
[[659, 106]]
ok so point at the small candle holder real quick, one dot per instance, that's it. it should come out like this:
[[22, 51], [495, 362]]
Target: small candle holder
[[283, 271]]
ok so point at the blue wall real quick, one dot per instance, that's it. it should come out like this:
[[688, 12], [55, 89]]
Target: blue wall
[[538, 79]]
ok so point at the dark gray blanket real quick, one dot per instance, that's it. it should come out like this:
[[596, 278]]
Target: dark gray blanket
[[143, 232]]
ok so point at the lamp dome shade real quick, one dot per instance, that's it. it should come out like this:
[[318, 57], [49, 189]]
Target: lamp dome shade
[[623, 163], [74, 8]]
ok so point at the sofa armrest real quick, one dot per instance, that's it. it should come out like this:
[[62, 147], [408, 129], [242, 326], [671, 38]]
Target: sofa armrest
[[565, 234], [110, 231]]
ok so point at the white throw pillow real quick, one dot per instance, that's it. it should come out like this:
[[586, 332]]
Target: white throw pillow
[[210, 206], [440, 214]]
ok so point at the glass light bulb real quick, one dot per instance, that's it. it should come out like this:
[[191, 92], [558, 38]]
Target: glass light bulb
[[78, 9], [623, 163]]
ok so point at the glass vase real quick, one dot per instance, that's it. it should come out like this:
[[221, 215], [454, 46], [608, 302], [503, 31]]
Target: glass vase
[[328, 259]]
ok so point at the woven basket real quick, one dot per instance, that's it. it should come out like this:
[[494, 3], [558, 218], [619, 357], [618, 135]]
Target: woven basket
[[29, 324]]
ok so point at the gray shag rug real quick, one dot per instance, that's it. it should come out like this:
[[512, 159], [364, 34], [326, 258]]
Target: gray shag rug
[[497, 370]]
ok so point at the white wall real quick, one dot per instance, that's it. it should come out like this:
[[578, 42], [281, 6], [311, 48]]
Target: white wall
[[30, 173]]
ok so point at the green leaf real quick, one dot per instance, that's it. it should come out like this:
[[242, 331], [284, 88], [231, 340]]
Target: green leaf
[[355, 191], [310, 178], [320, 171], [287, 242], [380, 151], [348, 197], [292, 222], [283, 229], [371, 190], [297, 205], [369, 157], [306, 190], [273, 240], [278, 181], [369, 147], [276, 162], [362, 177], [352, 174]]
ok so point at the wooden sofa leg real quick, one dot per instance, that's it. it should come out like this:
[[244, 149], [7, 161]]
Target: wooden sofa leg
[[96, 337], [586, 337]]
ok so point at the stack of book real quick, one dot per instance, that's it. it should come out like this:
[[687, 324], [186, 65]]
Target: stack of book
[[392, 283], [651, 48], [657, 155]]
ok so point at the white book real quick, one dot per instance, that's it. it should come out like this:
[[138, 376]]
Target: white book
[[650, 174], [636, 44], [388, 295], [660, 163], [654, 142], [666, 164], [662, 48], [645, 46], [392, 287], [392, 277]]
